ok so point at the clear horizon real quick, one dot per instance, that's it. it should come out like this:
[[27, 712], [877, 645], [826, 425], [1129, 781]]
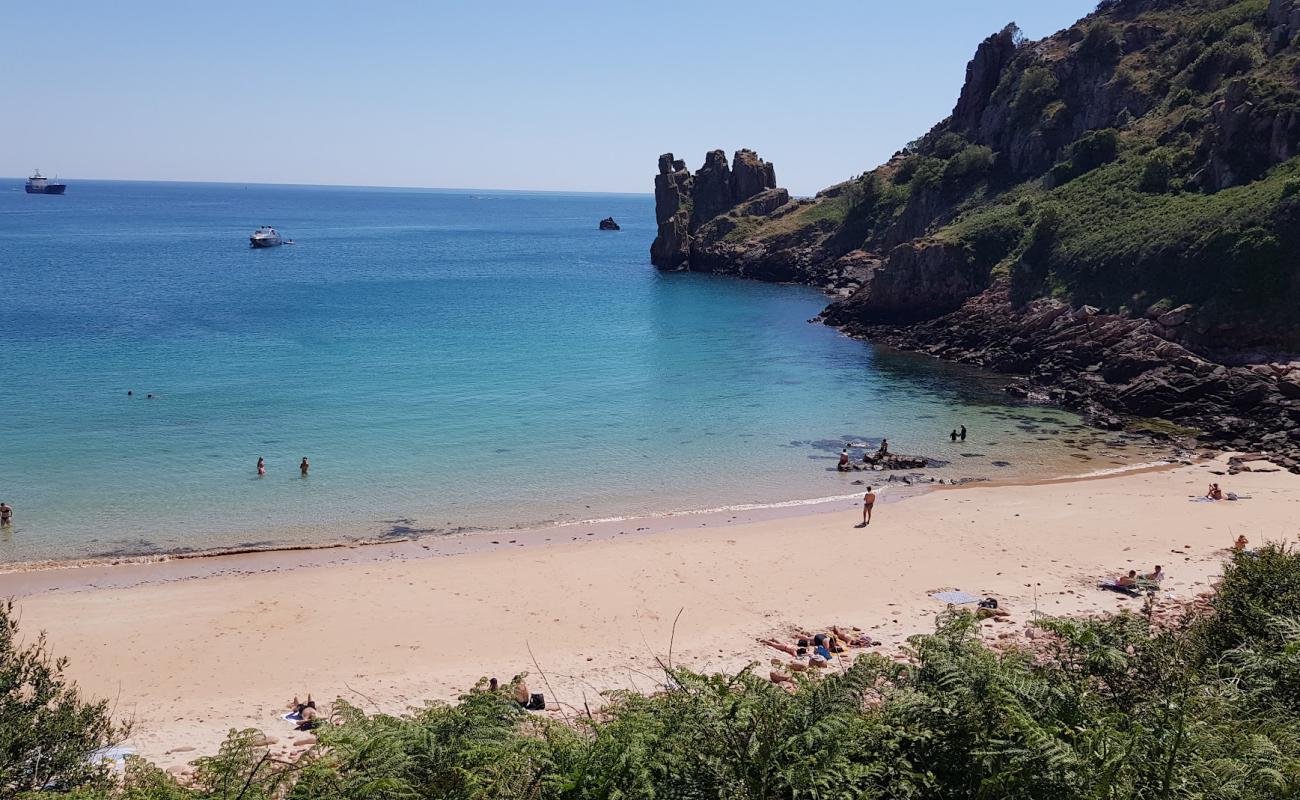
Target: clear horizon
[[576, 99]]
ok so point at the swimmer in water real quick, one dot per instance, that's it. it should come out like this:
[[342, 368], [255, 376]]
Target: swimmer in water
[[304, 466], [6, 513], [261, 466]]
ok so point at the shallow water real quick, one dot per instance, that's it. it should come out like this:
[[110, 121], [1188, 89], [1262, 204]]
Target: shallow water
[[447, 360]]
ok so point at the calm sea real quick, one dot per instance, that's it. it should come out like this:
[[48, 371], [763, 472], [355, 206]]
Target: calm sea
[[447, 360]]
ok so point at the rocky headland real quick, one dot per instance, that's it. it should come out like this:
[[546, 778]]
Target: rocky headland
[[1112, 214]]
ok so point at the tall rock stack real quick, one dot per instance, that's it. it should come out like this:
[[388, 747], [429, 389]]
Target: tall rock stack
[[672, 246], [684, 202]]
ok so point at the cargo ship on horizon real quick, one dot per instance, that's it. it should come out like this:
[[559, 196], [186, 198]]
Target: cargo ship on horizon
[[39, 184]]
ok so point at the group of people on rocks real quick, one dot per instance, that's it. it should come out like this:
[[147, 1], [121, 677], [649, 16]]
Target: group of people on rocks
[[882, 451]]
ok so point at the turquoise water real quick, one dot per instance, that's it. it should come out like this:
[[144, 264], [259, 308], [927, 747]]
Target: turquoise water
[[447, 360]]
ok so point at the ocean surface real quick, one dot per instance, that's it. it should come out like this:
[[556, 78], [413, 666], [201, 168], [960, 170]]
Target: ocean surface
[[447, 360]]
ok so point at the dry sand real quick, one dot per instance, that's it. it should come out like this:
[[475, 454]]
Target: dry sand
[[192, 649]]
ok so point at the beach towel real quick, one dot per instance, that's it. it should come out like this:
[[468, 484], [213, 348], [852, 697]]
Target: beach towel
[[1200, 499], [292, 716], [957, 597], [117, 755]]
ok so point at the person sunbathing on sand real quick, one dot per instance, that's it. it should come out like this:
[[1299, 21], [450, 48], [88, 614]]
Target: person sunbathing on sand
[[788, 649], [1240, 544], [310, 718], [1130, 579], [1156, 575], [1214, 492]]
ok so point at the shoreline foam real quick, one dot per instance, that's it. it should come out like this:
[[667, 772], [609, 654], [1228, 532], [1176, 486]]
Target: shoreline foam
[[899, 492]]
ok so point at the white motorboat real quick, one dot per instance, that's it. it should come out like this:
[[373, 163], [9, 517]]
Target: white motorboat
[[266, 236]]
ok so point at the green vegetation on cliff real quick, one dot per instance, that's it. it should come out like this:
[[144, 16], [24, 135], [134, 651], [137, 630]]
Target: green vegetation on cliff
[[1147, 156], [1127, 706]]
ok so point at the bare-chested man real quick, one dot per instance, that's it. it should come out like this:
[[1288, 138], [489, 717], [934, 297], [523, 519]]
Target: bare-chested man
[[868, 500]]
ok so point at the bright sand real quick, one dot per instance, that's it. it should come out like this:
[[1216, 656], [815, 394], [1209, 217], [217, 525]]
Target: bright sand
[[193, 648]]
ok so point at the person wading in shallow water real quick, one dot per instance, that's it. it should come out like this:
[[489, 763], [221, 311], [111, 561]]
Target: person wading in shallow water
[[954, 434], [868, 500], [963, 433], [304, 466], [6, 513], [261, 466]]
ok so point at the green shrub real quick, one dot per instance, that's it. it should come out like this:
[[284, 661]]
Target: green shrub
[[1101, 42], [1220, 61], [1088, 152], [971, 164], [948, 145], [48, 732], [1156, 173], [1037, 87]]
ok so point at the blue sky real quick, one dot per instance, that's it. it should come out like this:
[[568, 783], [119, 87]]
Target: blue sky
[[523, 95]]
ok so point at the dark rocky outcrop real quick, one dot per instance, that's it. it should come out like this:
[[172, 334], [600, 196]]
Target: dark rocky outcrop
[[686, 204], [918, 280], [1245, 139], [1111, 367], [608, 224]]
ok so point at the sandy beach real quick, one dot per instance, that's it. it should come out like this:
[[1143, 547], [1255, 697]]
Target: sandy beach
[[192, 648]]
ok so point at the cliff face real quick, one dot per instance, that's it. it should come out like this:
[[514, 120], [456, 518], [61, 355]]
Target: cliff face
[[1137, 173]]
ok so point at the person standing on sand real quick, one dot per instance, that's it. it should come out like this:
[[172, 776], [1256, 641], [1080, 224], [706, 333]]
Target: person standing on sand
[[868, 500], [963, 433], [304, 466], [6, 513], [261, 466]]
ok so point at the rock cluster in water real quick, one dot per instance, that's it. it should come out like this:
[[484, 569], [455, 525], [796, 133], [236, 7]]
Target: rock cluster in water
[[608, 224]]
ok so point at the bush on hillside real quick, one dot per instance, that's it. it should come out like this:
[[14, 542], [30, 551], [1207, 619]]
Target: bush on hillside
[[1037, 87], [970, 164]]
